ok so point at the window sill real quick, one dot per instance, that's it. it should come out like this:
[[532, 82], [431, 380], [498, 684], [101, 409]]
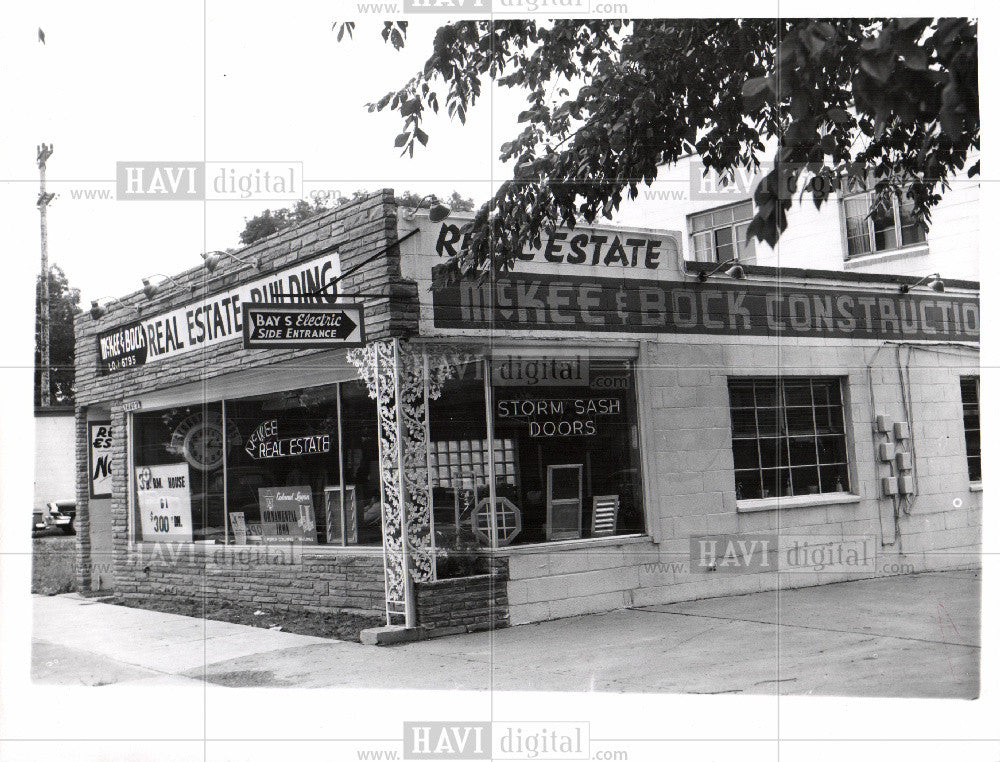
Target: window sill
[[975, 486], [880, 257], [589, 542], [802, 501]]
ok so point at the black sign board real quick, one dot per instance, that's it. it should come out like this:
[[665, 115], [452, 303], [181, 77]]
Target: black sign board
[[288, 326], [529, 301], [123, 348]]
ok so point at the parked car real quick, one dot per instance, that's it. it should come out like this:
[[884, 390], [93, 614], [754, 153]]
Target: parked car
[[61, 514]]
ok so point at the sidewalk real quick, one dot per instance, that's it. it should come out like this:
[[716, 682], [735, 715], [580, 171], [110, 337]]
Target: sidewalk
[[914, 636]]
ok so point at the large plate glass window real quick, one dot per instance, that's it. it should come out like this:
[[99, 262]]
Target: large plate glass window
[[570, 426], [177, 478], [789, 437]]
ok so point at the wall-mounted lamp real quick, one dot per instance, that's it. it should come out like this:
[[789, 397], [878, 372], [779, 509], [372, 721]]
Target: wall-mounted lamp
[[152, 289], [436, 212], [933, 282], [731, 267], [97, 311], [212, 259]]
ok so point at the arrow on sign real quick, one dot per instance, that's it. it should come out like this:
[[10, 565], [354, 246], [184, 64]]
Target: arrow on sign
[[339, 325]]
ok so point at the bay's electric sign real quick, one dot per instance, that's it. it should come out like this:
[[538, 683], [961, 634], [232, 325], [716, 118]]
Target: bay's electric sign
[[214, 319]]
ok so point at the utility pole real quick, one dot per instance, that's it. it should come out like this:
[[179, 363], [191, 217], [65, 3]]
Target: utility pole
[[44, 152]]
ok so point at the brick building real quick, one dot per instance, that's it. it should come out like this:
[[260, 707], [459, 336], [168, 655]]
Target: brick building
[[602, 427]]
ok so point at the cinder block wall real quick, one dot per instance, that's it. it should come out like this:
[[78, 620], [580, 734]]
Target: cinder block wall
[[359, 229], [687, 437]]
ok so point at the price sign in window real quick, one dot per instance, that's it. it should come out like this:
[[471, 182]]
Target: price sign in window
[[164, 498]]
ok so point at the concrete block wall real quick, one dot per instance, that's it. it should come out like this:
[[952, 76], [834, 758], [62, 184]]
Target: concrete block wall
[[684, 387], [359, 230]]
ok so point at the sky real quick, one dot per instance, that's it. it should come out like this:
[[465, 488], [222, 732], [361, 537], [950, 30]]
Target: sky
[[216, 81], [238, 83]]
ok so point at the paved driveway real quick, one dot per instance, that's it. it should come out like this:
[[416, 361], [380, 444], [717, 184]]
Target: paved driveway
[[916, 635]]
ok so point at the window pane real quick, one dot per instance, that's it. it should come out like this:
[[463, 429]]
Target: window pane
[[724, 244], [744, 246], [744, 423], [969, 388], [748, 485], [767, 421], [805, 481], [802, 451], [832, 449], [701, 222], [884, 221], [178, 474], [743, 211], [745, 453], [281, 480], [856, 217], [834, 478], [723, 217]]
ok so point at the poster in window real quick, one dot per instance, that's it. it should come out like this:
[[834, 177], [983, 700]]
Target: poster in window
[[164, 497], [99, 465], [286, 514]]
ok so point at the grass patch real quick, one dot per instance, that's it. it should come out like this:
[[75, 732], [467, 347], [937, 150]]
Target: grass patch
[[53, 565], [341, 625]]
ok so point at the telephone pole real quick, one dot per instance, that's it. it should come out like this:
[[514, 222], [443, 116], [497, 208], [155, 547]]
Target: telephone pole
[[44, 152]]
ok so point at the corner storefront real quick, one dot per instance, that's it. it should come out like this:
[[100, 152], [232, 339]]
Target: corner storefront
[[562, 440]]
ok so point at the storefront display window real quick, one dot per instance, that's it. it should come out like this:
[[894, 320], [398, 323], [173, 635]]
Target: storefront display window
[[277, 478], [178, 474], [272, 473], [574, 429]]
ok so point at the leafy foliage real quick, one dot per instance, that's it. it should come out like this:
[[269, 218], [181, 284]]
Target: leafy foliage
[[612, 101], [271, 221], [64, 304]]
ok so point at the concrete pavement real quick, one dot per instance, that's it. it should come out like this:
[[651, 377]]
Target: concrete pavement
[[915, 635]]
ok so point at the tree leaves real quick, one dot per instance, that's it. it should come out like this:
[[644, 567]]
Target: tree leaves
[[898, 97]]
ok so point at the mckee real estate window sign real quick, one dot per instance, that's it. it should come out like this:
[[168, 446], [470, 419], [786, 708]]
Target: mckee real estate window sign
[[532, 301], [213, 319], [164, 495]]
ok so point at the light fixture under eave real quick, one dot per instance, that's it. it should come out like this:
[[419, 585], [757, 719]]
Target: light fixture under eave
[[932, 281], [731, 267], [436, 212], [97, 311], [152, 289], [212, 259]]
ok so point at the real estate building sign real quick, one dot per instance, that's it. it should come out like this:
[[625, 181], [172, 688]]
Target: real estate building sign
[[535, 301], [213, 319]]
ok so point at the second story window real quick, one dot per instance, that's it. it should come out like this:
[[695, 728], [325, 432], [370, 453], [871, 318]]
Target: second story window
[[721, 234], [871, 229]]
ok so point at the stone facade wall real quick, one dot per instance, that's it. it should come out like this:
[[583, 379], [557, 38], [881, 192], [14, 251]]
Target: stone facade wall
[[359, 230], [463, 604]]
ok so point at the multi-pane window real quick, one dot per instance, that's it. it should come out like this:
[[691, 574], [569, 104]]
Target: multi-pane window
[[721, 234], [970, 416], [788, 437], [871, 228], [452, 460]]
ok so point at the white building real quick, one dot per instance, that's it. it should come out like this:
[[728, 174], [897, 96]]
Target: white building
[[839, 236]]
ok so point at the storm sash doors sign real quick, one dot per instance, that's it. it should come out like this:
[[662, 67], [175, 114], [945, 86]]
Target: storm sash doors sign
[[288, 326]]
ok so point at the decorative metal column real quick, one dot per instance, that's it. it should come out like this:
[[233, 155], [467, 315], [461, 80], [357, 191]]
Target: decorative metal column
[[402, 380]]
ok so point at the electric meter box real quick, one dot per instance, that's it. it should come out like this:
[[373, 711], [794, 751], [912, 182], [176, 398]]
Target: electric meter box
[[904, 461], [883, 423], [901, 430], [889, 486], [886, 451], [905, 485]]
